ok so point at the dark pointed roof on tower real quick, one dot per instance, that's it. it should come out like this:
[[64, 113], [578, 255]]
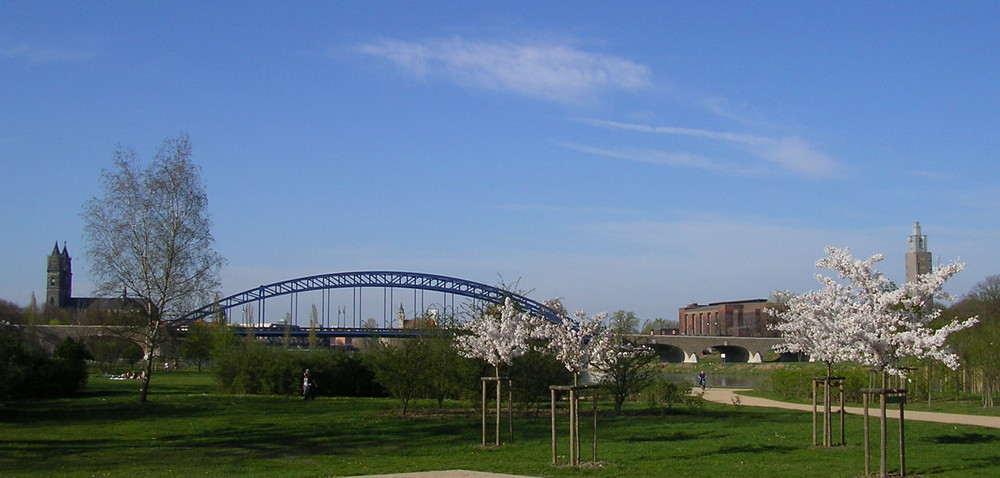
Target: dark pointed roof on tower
[[55, 249]]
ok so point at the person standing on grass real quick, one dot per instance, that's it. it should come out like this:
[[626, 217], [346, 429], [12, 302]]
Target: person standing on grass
[[701, 379], [307, 386]]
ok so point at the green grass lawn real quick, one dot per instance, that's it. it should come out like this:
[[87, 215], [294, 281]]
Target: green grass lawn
[[188, 429]]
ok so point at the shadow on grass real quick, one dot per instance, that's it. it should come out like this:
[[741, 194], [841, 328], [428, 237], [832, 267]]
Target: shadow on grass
[[965, 468], [751, 449], [962, 439], [666, 438]]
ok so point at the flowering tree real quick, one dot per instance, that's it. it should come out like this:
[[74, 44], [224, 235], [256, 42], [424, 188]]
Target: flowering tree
[[883, 324], [577, 342], [498, 340], [864, 318], [813, 324]]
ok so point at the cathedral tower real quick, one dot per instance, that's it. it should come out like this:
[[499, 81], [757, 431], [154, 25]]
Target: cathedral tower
[[918, 259], [59, 282]]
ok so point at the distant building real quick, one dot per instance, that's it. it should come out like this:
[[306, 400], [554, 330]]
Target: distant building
[[416, 322], [59, 287], [918, 258], [745, 318], [59, 279]]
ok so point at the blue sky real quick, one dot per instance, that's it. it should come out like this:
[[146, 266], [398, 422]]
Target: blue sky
[[620, 155]]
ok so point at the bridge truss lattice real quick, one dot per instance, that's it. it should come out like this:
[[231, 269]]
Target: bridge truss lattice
[[374, 279]]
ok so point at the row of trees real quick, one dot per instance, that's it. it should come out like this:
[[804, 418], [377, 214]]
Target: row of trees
[[429, 365], [978, 347]]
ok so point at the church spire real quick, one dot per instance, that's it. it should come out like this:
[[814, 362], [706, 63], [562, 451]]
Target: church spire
[[59, 280]]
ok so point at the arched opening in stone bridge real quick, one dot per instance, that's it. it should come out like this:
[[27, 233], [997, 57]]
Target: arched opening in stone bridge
[[734, 354], [668, 353]]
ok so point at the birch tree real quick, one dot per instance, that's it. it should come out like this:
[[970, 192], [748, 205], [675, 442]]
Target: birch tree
[[149, 234]]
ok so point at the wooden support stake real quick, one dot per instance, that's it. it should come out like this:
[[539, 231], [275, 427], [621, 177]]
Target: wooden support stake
[[484, 412], [814, 412], [552, 393], [868, 463]]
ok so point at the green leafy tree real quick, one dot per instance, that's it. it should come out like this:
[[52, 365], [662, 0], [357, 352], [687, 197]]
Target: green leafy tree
[[286, 336], [625, 322], [313, 328], [451, 372], [533, 374], [624, 371], [198, 343], [658, 324], [402, 366], [978, 345]]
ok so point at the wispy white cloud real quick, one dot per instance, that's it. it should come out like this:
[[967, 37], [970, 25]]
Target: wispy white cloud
[[653, 156], [791, 153], [550, 71], [38, 54]]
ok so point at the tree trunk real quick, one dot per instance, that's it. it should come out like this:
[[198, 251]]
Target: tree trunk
[[827, 414], [144, 389], [151, 344]]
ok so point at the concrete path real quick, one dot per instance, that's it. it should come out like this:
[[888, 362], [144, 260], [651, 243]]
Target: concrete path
[[445, 474], [727, 395]]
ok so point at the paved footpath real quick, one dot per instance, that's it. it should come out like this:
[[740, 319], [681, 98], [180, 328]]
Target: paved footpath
[[727, 395], [445, 474]]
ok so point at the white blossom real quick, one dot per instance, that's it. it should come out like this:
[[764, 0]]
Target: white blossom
[[863, 318], [578, 342], [500, 339]]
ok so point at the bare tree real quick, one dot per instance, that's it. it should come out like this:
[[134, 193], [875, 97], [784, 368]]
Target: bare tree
[[149, 236]]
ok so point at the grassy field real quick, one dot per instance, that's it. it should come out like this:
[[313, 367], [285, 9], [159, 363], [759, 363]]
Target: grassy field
[[189, 430]]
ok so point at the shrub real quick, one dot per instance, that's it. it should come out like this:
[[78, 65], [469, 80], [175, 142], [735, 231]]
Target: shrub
[[797, 382], [663, 391], [28, 372], [253, 368]]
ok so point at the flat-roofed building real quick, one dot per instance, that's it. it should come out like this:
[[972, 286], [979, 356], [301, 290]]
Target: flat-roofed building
[[743, 318]]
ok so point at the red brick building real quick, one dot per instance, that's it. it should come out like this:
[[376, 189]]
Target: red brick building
[[745, 318]]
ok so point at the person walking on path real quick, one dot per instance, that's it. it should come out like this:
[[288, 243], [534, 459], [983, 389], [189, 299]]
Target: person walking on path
[[701, 380]]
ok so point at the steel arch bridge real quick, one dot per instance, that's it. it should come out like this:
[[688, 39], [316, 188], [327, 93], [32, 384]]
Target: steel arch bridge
[[374, 279]]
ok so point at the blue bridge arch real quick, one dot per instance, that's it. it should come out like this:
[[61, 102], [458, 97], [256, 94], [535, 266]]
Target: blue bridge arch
[[374, 279]]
